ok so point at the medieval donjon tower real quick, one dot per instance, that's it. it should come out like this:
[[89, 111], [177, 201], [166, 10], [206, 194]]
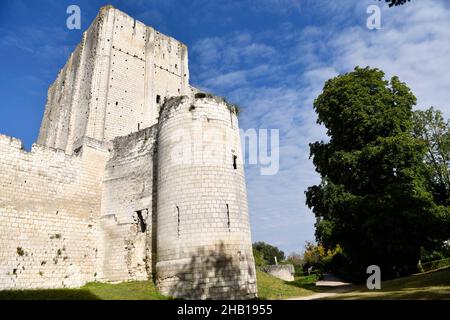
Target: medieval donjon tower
[[135, 175]]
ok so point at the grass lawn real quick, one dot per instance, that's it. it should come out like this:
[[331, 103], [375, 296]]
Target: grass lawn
[[271, 288], [138, 290], [268, 287], [430, 285]]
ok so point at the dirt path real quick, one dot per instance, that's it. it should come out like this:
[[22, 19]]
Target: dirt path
[[334, 286]]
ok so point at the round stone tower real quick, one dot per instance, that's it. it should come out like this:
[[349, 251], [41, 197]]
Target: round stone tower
[[204, 246]]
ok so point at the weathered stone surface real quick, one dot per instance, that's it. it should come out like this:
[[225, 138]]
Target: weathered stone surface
[[49, 204], [203, 229], [282, 271], [115, 188], [114, 82]]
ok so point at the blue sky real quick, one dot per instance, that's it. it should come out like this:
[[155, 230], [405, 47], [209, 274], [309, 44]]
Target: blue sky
[[269, 56]]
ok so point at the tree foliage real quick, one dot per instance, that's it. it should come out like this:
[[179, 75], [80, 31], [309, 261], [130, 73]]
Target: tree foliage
[[374, 198], [267, 252], [318, 257], [430, 127], [395, 3]]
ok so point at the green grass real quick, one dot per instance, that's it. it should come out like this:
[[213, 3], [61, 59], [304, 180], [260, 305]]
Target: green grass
[[137, 290], [271, 288], [430, 285]]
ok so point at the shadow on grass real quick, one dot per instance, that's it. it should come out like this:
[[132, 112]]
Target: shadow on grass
[[433, 285], [433, 293], [132, 290], [308, 283], [50, 294]]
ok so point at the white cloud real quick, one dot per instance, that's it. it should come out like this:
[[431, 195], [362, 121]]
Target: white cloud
[[413, 44]]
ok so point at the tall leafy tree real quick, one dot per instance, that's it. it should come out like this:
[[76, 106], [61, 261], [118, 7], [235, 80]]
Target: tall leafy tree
[[373, 199], [268, 252], [430, 126]]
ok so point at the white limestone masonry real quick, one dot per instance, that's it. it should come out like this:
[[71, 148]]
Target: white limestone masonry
[[135, 175], [282, 271]]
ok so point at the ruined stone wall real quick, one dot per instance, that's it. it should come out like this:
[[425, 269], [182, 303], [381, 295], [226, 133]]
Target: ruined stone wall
[[70, 97], [114, 82], [125, 227], [117, 189], [49, 203], [282, 271], [204, 245]]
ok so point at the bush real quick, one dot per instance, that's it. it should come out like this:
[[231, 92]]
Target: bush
[[320, 259], [259, 258]]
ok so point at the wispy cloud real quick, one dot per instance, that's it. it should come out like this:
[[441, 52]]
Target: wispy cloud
[[274, 69], [413, 44]]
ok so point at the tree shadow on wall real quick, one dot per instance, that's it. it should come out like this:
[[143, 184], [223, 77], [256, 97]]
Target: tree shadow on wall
[[216, 275]]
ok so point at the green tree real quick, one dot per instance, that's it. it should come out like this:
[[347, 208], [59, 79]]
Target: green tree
[[373, 199], [267, 252], [395, 3], [296, 259], [434, 131]]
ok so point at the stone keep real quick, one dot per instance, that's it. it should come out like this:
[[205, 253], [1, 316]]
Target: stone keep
[[135, 175]]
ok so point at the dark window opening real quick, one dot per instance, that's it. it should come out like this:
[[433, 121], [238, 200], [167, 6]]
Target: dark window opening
[[117, 103], [228, 217], [141, 221], [234, 162], [139, 126], [158, 98]]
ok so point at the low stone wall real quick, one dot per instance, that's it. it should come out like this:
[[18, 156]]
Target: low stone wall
[[284, 271]]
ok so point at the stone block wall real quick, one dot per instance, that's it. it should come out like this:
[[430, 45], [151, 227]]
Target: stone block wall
[[125, 180], [204, 245], [125, 227], [49, 203], [282, 271], [114, 82]]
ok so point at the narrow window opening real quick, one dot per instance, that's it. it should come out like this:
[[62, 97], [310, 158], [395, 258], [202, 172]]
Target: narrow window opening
[[139, 126], [141, 221], [178, 217], [228, 217], [234, 162], [158, 98]]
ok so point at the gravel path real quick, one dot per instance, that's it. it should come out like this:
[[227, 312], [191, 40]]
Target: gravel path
[[333, 283]]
